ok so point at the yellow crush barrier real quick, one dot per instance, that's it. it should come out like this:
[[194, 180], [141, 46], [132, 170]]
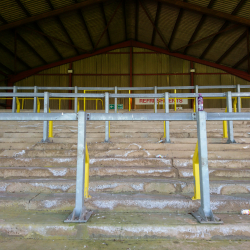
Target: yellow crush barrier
[[17, 105], [225, 134], [129, 101], [196, 173], [86, 182], [175, 101], [50, 127]]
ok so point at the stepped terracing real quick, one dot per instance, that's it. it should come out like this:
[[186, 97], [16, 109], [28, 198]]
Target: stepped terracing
[[134, 193]]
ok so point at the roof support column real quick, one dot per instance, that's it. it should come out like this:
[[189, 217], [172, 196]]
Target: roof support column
[[131, 71], [192, 80], [70, 85], [248, 50]]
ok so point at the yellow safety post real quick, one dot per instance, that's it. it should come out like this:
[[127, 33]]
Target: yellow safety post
[[86, 182], [17, 105], [60, 103], [96, 101], [225, 134], [38, 105], [175, 101], [84, 102], [196, 172], [234, 104], [50, 127], [194, 105], [78, 105], [22, 102], [129, 101]]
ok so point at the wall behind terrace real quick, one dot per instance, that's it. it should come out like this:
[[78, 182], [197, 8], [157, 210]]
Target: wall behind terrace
[[149, 69]]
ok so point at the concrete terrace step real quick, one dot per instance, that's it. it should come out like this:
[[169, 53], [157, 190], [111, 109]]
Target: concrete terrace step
[[120, 226], [119, 140], [121, 203], [94, 171], [119, 162], [134, 171], [118, 185], [232, 154]]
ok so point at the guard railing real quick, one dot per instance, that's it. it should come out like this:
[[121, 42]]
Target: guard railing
[[229, 95], [80, 213]]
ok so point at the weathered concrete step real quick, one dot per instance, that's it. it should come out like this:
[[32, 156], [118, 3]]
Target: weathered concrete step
[[214, 163], [212, 155], [221, 172], [39, 172], [119, 140], [123, 146], [71, 162], [117, 185], [125, 135], [118, 129], [121, 226], [103, 202], [97, 244]]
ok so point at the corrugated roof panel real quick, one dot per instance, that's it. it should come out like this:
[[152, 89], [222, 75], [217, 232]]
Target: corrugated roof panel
[[226, 6], [62, 3], [166, 22], [95, 22], [145, 27], [187, 25], [10, 11], [130, 19], [36, 7], [203, 3], [40, 45], [243, 66], [23, 51], [223, 42], [76, 30], [244, 11], [51, 27], [210, 26], [117, 26], [9, 61], [236, 54]]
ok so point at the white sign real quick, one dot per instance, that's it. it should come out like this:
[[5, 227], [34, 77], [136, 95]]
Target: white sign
[[151, 101]]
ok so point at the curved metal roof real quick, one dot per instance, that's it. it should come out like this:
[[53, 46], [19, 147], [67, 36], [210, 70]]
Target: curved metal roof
[[40, 32]]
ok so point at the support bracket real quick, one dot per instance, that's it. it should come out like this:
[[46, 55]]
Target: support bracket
[[84, 216], [212, 219]]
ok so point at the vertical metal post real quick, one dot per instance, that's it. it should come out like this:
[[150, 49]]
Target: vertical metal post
[[35, 100], [155, 100], [80, 213], [115, 100], [106, 122], [75, 104], [167, 139], [196, 98], [230, 123], [238, 99], [81, 154], [14, 100], [204, 213], [46, 123]]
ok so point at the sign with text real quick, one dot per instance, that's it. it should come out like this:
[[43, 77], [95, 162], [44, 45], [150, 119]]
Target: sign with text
[[151, 101], [112, 106]]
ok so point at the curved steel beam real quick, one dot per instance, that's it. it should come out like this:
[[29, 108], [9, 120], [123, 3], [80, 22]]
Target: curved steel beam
[[50, 14], [131, 43]]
